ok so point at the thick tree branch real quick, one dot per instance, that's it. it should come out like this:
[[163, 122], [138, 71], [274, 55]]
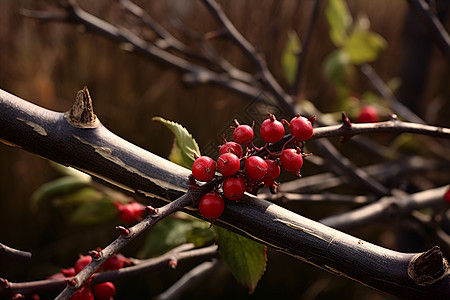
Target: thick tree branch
[[102, 154]]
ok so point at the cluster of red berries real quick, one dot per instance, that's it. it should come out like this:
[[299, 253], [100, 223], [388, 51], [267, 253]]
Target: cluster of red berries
[[100, 291], [130, 212], [243, 166]]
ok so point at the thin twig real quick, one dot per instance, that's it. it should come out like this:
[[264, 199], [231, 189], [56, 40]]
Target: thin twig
[[284, 100], [180, 254], [317, 198], [14, 253], [154, 216], [386, 93], [434, 26], [180, 286], [387, 208], [305, 46]]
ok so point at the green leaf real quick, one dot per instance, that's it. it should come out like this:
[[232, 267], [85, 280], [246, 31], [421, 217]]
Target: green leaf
[[58, 187], [168, 234], [80, 196], [94, 212], [244, 257], [200, 236], [185, 147], [289, 58], [335, 66], [339, 20], [364, 46]]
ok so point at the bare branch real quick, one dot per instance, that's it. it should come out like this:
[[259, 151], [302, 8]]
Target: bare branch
[[433, 24], [302, 56], [284, 100], [387, 209], [143, 266], [14, 253], [102, 154], [196, 274]]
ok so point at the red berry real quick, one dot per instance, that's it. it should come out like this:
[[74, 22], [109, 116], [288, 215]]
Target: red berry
[[83, 293], [301, 128], [116, 262], [447, 196], [272, 130], [234, 188], [273, 169], [368, 114], [291, 160], [104, 291], [243, 134], [256, 167], [232, 147], [204, 168], [228, 164], [82, 262], [130, 212], [68, 272], [211, 206]]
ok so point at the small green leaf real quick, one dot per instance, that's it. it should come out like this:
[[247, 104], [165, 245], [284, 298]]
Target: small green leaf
[[58, 187], [364, 46], [168, 234], [244, 257], [94, 212], [339, 19], [184, 142], [289, 58], [335, 66]]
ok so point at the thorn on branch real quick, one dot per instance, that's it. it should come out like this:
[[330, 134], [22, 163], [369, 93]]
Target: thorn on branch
[[346, 120], [4, 283], [123, 231], [173, 264], [82, 115], [94, 254], [151, 210], [72, 282]]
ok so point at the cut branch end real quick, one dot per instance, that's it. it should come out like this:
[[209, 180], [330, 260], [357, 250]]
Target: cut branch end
[[428, 267]]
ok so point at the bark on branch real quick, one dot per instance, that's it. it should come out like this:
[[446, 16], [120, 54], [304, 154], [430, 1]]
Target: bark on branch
[[99, 152]]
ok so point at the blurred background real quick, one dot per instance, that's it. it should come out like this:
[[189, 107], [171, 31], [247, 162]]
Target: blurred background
[[48, 62]]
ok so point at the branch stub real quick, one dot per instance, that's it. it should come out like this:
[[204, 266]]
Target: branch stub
[[82, 115]]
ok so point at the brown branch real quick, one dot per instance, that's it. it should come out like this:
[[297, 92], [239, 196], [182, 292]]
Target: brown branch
[[180, 255], [102, 154], [387, 209], [387, 94], [193, 73], [316, 198], [14, 253], [154, 216], [391, 126], [302, 56], [283, 99]]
